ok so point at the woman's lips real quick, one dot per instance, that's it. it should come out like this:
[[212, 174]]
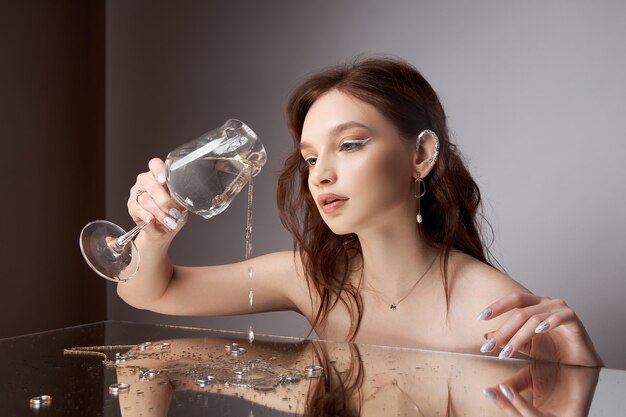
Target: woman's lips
[[331, 202]]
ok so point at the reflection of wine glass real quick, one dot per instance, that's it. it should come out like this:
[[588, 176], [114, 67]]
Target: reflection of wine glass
[[203, 175]]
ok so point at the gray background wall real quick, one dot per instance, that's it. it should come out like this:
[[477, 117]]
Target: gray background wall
[[536, 97]]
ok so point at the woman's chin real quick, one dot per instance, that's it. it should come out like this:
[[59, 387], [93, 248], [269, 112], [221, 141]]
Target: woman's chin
[[339, 230]]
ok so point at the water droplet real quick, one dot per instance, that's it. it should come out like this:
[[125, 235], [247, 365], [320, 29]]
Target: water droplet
[[250, 334], [144, 346], [201, 382], [121, 358], [289, 379], [237, 351], [147, 374], [264, 385]]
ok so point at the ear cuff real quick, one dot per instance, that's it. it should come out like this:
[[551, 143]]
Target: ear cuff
[[434, 135]]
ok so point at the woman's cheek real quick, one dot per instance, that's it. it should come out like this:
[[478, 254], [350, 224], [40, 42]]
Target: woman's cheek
[[390, 174]]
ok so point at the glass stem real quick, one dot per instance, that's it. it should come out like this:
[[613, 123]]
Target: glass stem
[[119, 244]]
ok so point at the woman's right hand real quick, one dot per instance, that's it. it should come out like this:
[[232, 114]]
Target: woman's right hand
[[150, 201]]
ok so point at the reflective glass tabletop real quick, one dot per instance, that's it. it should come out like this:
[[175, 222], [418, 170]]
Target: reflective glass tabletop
[[130, 369]]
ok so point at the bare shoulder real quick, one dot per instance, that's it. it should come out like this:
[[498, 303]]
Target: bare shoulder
[[469, 276], [288, 274], [474, 285]]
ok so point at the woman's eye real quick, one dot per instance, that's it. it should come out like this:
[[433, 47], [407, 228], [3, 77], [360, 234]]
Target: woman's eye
[[310, 161], [352, 145]]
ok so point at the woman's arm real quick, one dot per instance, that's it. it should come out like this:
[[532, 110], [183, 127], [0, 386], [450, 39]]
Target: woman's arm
[[221, 289], [277, 279], [511, 319]]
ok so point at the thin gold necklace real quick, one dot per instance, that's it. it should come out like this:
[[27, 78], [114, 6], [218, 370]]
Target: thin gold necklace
[[394, 305]]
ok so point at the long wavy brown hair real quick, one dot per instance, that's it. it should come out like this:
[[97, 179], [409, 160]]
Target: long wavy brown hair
[[450, 207]]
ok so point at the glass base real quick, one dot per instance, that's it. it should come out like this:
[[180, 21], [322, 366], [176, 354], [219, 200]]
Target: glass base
[[98, 246]]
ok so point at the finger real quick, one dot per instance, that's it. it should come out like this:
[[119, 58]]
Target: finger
[[509, 302], [524, 324], [527, 319], [564, 316], [500, 337], [163, 200], [516, 335], [521, 380], [141, 215], [523, 407], [494, 395], [160, 192], [136, 210], [157, 168], [147, 202]]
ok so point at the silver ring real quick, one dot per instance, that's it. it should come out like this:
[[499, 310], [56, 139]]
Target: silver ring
[[116, 388], [40, 400], [138, 193]]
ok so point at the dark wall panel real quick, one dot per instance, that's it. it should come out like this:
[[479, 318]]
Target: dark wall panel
[[52, 133]]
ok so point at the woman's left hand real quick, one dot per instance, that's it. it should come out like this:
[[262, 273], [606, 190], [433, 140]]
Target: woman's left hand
[[541, 328]]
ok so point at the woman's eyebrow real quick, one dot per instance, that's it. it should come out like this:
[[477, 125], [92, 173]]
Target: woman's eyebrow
[[345, 126], [337, 130]]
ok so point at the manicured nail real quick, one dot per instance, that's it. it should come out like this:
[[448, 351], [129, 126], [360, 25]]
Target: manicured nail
[[161, 178], [505, 352], [506, 391], [488, 345], [171, 223], [486, 313], [176, 214], [489, 394], [147, 219], [542, 327]]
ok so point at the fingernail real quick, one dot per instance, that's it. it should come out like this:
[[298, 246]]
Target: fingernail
[[505, 352], [169, 222], [542, 327], [489, 394], [484, 314], [506, 391], [161, 178], [147, 219], [488, 345], [176, 214]]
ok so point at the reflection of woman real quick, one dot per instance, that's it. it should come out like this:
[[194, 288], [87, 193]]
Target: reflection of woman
[[365, 380], [383, 213]]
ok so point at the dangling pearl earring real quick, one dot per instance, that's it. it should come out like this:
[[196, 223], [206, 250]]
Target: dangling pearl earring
[[420, 190]]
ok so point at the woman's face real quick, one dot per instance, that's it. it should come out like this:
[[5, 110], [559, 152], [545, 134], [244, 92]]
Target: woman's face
[[360, 169]]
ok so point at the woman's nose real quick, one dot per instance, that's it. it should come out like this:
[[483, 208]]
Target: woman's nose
[[323, 172]]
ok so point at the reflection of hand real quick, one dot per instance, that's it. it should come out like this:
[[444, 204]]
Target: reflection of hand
[[553, 391], [541, 328], [143, 398], [150, 199]]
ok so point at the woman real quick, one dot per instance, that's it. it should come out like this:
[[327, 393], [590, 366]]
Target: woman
[[383, 213]]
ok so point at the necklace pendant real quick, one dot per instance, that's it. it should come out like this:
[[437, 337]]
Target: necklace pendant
[[393, 306]]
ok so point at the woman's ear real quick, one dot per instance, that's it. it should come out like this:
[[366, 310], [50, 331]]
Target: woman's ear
[[426, 153]]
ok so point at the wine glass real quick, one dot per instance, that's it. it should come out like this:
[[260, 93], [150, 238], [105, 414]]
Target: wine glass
[[204, 176]]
